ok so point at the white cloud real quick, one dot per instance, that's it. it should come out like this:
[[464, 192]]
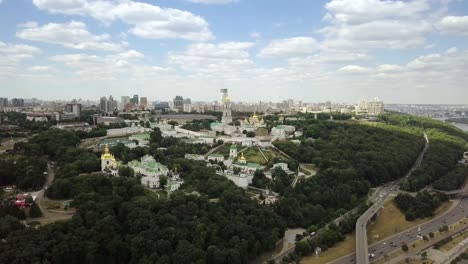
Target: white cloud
[[205, 58], [17, 52], [71, 35], [215, 2], [11, 56], [371, 24], [131, 54], [354, 69], [328, 58], [148, 21], [39, 68], [454, 25], [111, 67], [290, 47], [389, 68]]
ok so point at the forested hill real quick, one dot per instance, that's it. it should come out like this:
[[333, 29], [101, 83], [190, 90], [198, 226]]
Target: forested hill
[[117, 221], [447, 144], [121, 223], [352, 156]]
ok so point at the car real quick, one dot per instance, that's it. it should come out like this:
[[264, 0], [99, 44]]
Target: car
[[384, 243], [372, 255]]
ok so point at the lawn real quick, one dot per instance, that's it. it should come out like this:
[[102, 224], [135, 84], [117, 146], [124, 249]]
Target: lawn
[[339, 250], [253, 154], [224, 150], [391, 221]]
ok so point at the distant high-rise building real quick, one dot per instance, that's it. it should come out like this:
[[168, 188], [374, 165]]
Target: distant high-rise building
[[144, 102], [17, 102], [3, 102], [375, 107], [124, 101], [161, 105], [179, 103], [227, 111], [108, 105], [103, 104], [74, 109], [187, 105], [135, 99]]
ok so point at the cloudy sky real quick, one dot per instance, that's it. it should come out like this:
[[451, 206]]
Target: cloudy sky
[[412, 51]]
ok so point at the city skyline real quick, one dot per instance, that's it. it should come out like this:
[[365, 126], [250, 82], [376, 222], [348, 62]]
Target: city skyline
[[313, 51]]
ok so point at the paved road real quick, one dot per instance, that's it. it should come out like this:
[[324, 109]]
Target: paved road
[[361, 224], [375, 197], [362, 254], [459, 211], [49, 216]]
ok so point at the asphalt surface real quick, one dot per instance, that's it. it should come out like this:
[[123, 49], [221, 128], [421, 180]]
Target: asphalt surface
[[361, 224], [362, 252], [458, 212]]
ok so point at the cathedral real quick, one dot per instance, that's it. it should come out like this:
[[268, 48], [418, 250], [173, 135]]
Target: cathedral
[[108, 162]]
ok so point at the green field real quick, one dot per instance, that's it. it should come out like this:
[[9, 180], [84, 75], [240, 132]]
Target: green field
[[391, 221], [253, 154], [339, 250]]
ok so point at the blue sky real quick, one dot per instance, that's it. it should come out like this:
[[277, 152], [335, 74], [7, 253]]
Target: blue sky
[[411, 51]]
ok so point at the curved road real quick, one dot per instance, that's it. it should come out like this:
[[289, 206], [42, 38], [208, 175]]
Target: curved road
[[49, 216], [457, 212], [362, 253]]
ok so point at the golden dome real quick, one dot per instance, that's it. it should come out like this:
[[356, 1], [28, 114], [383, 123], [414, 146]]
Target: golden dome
[[106, 154], [242, 156], [227, 99]]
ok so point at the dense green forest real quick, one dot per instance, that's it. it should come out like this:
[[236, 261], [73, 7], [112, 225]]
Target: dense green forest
[[351, 158], [27, 173], [116, 222], [447, 144], [210, 220], [421, 206], [452, 180]]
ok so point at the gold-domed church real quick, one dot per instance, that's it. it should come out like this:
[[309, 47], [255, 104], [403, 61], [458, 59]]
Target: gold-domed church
[[108, 162], [253, 122]]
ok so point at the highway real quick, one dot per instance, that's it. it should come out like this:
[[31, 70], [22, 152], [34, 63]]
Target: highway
[[362, 253], [361, 224], [459, 211]]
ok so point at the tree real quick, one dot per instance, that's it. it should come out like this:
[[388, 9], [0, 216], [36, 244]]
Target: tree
[[125, 171], [236, 170], [163, 182], [404, 247], [431, 234], [34, 211], [156, 136], [250, 134]]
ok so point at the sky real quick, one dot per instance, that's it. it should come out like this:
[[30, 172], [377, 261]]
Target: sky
[[411, 51]]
